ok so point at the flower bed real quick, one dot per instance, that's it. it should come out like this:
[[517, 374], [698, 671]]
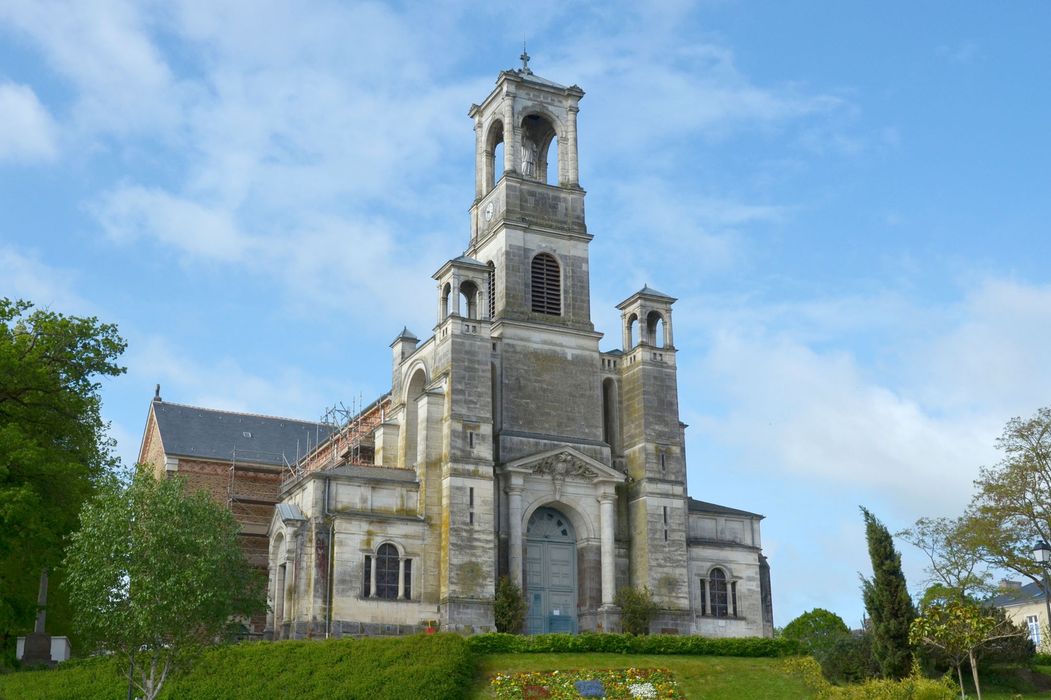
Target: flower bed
[[627, 683]]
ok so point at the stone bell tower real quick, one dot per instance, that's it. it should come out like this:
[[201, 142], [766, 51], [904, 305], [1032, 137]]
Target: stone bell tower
[[529, 200], [527, 227]]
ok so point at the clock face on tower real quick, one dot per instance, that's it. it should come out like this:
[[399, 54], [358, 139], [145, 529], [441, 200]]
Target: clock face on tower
[[489, 211]]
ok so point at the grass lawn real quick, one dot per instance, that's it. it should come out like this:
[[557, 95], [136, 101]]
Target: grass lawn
[[709, 677]]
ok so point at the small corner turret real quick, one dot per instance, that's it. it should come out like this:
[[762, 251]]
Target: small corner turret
[[646, 320]]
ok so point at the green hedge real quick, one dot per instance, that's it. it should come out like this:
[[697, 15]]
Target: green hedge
[[91, 679], [498, 643], [421, 666], [1041, 659]]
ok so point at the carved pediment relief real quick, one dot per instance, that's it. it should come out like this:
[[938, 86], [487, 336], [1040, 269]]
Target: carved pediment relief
[[565, 465]]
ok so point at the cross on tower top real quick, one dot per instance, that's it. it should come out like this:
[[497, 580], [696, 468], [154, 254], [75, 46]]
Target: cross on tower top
[[525, 60]]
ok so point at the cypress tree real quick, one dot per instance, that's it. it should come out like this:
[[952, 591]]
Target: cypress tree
[[887, 602]]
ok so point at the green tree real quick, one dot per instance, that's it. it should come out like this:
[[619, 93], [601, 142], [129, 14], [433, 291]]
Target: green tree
[[1011, 508], [954, 566], [957, 628], [637, 609], [887, 602], [509, 607], [53, 444], [817, 630], [154, 573]]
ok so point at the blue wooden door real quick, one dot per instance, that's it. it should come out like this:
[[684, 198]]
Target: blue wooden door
[[550, 573]]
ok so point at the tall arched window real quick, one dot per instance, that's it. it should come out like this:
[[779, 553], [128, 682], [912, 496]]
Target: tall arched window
[[719, 598], [490, 291], [547, 285], [387, 572]]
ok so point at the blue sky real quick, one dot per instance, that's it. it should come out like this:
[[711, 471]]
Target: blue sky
[[849, 200]]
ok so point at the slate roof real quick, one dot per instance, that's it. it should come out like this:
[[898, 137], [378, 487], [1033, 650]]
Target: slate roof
[[289, 511], [534, 78], [468, 260], [696, 506], [205, 433], [1029, 593], [650, 291], [405, 334]]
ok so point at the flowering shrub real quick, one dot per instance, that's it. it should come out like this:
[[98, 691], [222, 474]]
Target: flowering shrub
[[914, 687], [627, 683]]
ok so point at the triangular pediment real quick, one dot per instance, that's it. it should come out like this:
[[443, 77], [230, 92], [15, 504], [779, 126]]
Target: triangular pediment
[[565, 462]]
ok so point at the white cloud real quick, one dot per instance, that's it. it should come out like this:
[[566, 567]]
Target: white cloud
[[817, 416], [995, 354], [26, 277], [190, 227], [29, 133], [103, 48], [222, 382], [913, 423]]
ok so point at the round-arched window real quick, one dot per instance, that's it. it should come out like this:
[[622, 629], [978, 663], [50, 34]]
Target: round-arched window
[[387, 572], [719, 598], [546, 285]]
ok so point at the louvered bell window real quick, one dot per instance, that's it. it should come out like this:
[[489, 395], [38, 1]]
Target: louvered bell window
[[547, 287]]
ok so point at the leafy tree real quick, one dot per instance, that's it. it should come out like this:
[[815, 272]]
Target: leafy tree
[[53, 446], [509, 607], [816, 630], [1011, 509], [957, 628], [637, 609], [154, 573], [887, 602], [954, 566]]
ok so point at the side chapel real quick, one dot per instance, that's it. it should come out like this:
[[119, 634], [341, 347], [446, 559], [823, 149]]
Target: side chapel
[[509, 444]]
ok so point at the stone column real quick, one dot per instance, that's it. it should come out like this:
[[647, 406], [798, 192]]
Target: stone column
[[279, 596], [372, 576], [572, 171], [511, 140], [514, 555], [606, 515], [401, 577], [480, 160]]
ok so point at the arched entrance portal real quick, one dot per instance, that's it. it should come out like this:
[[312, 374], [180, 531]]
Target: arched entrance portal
[[550, 573]]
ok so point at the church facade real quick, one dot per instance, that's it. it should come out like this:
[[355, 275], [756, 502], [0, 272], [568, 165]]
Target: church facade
[[510, 444]]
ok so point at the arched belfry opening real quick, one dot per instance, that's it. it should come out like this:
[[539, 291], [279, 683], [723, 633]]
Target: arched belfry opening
[[446, 304], [631, 331], [493, 162], [655, 329], [469, 299], [539, 143], [546, 285]]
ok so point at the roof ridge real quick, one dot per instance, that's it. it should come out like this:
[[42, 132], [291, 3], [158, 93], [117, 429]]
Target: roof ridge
[[242, 413]]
